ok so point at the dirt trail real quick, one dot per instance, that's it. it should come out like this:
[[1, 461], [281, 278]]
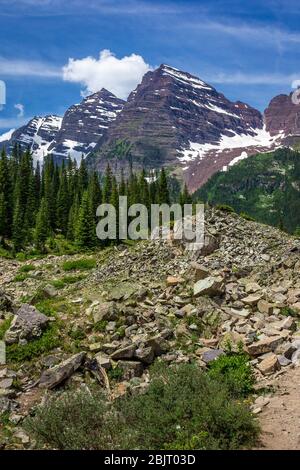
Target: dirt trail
[[280, 419]]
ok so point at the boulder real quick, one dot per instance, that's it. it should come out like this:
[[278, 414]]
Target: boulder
[[209, 286], [6, 304], [269, 365], [158, 344], [201, 272], [252, 299], [124, 353], [130, 369], [264, 345], [27, 324], [58, 374], [103, 361], [49, 292], [211, 355], [105, 311], [265, 307], [145, 355], [174, 281]]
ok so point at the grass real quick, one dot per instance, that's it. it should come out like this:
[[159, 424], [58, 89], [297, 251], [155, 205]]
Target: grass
[[82, 264], [27, 268], [4, 325], [20, 277], [66, 280], [182, 408], [289, 312], [48, 341]]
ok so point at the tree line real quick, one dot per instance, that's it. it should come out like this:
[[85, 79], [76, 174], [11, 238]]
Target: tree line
[[38, 203]]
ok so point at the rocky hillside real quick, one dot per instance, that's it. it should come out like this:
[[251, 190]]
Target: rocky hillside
[[104, 319], [265, 186]]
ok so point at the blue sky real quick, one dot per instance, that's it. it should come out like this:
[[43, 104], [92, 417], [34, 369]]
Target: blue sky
[[249, 50]]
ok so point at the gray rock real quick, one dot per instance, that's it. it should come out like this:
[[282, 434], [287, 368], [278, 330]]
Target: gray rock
[[105, 311], [209, 286], [145, 355], [209, 356], [130, 369], [124, 353], [284, 361], [57, 374], [103, 361], [27, 324], [49, 292]]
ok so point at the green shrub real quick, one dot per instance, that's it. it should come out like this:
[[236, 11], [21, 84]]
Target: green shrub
[[66, 280], [82, 264], [20, 277], [72, 421], [235, 371], [4, 325], [181, 405], [183, 408], [26, 268], [225, 208], [246, 216], [289, 312], [48, 341]]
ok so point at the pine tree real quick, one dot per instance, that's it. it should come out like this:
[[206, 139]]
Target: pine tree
[[72, 219], [42, 228], [63, 203], [18, 231], [163, 191], [107, 186], [86, 228], [185, 197], [6, 197]]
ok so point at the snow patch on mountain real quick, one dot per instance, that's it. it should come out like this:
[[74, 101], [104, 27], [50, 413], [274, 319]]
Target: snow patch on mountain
[[259, 139], [7, 135]]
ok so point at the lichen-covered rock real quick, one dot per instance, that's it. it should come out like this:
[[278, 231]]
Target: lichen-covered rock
[[27, 324], [56, 375]]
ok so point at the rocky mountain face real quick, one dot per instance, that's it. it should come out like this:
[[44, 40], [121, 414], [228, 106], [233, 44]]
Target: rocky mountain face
[[283, 115], [37, 135], [84, 124], [173, 118], [153, 299], [74, 135]]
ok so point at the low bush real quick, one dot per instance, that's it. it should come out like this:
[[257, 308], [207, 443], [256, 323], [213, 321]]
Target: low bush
[[183, 408], [48, 341], [82, 264], [66, 280], [225, 208], [235, 371]]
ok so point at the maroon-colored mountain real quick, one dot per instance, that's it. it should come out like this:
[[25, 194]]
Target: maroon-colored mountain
[[174, 118]]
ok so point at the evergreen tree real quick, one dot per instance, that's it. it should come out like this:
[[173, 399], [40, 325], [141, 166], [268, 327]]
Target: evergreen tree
[[6, 210], [42, 228], [86, 227], [107, 186], [163, 191], [62, 204]]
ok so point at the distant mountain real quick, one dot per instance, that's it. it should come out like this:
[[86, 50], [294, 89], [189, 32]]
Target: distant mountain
[[74, 135], [174, 118], [171, 119], [37, 135], [265, 186], [84, 124]]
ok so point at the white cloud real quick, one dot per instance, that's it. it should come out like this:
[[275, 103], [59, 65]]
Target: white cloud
[[24, 68], [120, 76], [20, 108]]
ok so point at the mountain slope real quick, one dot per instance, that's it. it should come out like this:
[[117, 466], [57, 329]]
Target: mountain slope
[[37, 134], [74, 135], [84, 124], [265, 186], [164, 120]]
